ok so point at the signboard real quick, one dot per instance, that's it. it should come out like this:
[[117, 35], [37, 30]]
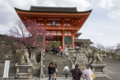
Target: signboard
[[6, 68], [68, 40], [53, 23]]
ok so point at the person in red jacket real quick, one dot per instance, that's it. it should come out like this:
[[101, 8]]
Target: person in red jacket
[[58, 49]]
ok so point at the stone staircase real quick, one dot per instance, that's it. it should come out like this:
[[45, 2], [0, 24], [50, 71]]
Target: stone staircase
[[61, 61]]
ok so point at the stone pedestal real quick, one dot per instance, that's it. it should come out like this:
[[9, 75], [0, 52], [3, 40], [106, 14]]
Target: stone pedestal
[[23, 71], [82, 61], [99, 69]]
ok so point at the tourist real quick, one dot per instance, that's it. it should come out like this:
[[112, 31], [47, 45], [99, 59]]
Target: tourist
[[51, 50], [87, 73], [61, 51], [52, 62], [50, 71], [58, 49], [46, 50], [66, 71], [76, 73], [68, 47], [56, 68], [54, 72], [73, 67]]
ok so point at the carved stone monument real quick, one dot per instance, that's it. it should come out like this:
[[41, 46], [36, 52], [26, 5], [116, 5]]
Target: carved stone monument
[[24, 57], [24, 66], [97, 66]]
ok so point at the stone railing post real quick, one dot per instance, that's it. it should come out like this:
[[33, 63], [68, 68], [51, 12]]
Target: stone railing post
[[41, 65]]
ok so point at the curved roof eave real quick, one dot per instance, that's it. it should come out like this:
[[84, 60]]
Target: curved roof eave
[[16, 9]]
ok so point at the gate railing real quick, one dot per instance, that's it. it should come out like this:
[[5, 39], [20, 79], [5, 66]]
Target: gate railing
[[69, 58]]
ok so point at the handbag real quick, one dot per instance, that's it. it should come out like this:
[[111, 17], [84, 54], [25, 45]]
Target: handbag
[[66, 71], [56, 70], [93, 76]]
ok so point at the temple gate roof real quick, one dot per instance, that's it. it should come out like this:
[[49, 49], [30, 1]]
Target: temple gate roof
[[53, 9]]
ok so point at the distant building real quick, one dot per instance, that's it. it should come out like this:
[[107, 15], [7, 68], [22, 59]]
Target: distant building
[[81, 42]]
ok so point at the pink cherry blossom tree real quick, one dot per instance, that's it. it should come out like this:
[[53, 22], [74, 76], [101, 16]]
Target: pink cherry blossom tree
[[29, 33]]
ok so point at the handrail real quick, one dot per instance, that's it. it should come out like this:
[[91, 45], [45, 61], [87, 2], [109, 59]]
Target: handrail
[[41, 65], [69, 57]]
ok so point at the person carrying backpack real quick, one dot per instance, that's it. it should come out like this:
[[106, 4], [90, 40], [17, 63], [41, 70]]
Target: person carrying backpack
[[66, 71]]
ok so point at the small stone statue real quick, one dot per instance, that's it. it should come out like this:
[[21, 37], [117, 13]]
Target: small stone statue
[[24, 57], [96, 57]]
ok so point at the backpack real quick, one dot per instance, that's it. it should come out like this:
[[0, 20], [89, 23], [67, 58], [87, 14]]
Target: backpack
[[66, 71]]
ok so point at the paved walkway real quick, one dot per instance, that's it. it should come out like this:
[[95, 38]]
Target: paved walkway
[[58, 78], [112, 68], [63, 78]]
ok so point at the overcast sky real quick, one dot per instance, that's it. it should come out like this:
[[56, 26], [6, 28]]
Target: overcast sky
[[102, 26]]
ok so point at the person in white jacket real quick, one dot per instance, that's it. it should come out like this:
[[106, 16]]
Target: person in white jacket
[[87, 73], [66, 70]]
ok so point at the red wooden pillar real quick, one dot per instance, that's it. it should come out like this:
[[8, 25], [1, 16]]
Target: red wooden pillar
[[63, 40], [72, 41]]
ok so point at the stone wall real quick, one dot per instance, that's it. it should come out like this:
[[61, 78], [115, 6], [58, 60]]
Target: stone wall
[[1, 69], [12, 70], [36, 69]]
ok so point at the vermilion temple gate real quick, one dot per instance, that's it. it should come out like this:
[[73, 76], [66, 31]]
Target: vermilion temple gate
[[62, 22]]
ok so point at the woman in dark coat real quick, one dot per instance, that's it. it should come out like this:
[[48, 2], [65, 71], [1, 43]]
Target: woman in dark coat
[[50, 71], [76, 73]]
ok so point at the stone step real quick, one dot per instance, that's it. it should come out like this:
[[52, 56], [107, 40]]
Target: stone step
[[46, 69], [59, 72], [59, 67], [61, 61], [62, 75]]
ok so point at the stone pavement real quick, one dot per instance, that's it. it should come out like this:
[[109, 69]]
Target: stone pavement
[[69, 78], [58, 78], [113, 68]]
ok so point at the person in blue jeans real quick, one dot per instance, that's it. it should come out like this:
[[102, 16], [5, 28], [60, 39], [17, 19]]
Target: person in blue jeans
[[50, 71]]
